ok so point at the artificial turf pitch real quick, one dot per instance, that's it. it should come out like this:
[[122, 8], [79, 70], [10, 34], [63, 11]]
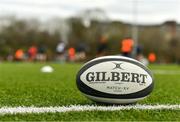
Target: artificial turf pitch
[[22, 84]]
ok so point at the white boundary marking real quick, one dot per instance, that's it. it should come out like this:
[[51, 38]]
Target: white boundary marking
[[73, 108], [166, 72]]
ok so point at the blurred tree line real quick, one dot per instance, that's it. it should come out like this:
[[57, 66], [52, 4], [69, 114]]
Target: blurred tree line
[[161, 39]]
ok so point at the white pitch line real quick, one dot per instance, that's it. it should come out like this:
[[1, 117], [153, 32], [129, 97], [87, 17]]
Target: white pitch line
[[166, 72], [78, 108]]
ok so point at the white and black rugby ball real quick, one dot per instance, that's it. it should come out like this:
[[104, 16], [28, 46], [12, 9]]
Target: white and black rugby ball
[[115, 80]]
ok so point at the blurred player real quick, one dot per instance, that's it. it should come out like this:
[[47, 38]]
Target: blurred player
[[102, 46], [71, 54], [140, 57], [41, 55], [127, 47], [19, 55], [32, 53], [152, 57], [60, 49], [81, 50]]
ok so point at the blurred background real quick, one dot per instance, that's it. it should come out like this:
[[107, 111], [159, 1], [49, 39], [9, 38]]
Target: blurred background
[[79, 30]]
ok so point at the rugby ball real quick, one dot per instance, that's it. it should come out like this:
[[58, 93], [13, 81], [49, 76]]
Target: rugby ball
[[115, 80]]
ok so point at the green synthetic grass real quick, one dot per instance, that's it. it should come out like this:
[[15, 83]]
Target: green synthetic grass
[[22, 84]]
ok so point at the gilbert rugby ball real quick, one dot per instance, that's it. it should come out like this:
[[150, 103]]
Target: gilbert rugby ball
[[115, 80]]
